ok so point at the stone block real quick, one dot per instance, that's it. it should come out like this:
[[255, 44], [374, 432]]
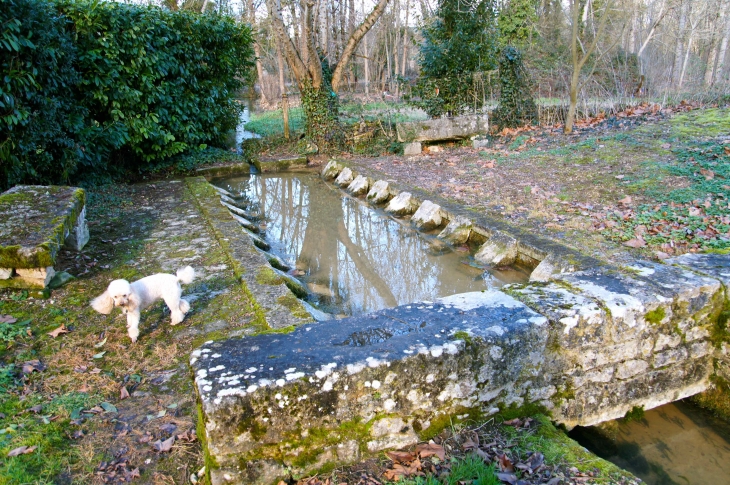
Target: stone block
[[413, 148], [35, 221], [402, 205], [345, 177], [383, 379], [631, 368], [360, 185], [652, 298], [457, 128], [478, 142], [499, 250], [457, 231], [428, 216], [246, 223], [380, 192], [6, 273], [332, 170], [271, 165], [78, 235]]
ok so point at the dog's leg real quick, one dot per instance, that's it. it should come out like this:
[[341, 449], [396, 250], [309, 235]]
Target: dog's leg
[[133, 324], [178, 308]]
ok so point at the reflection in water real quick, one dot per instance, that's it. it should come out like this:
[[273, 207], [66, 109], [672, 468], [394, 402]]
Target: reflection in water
[[355, 259], [674, 444]]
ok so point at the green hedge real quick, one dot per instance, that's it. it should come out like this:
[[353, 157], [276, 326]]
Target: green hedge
[[94, 89]]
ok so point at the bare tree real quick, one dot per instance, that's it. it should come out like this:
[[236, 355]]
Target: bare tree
[[579, 58], [306, 65]]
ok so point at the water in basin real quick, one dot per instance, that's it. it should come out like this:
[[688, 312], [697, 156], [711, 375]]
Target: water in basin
[[355, 259]]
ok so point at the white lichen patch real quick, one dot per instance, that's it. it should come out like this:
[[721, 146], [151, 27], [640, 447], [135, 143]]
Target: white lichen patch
[[480, 299]]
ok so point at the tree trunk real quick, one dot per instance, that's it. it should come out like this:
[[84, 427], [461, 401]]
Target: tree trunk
[[257, 51], [679, 48], [580, 60], [723, 50]]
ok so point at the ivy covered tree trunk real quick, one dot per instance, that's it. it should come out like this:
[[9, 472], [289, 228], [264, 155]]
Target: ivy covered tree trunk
[[317, 83], [322, 125], [516, 105]]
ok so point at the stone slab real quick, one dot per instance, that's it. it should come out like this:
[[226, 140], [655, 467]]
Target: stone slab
[[381, 379], [280, 164], [34, 223], [457, 128]]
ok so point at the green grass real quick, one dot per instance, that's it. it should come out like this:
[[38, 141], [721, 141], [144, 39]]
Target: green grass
[[48, 430], [471, 469], [271, 123]]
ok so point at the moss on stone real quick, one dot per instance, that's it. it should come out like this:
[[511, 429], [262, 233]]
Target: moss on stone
[[636, 413], [439, 423], [564, 393], [716, 399], [294, 305], [655, 316], [267, 276]]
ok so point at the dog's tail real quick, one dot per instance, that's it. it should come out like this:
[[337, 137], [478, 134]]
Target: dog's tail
[[186, 275]]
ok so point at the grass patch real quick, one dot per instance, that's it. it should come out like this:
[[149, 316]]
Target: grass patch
[[470, 469], [48, 430], [271, 123]]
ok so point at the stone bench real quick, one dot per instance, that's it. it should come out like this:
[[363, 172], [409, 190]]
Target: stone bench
[[586, 349], [441, 129], [35, 222]]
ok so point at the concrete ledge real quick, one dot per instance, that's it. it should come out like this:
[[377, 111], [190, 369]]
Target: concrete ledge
[[35, 222]]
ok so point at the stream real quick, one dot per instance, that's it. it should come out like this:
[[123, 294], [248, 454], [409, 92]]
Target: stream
[[355, 259], [674, 444]]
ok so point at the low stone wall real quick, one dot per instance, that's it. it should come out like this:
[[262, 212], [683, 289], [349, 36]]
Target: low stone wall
[[586, 348]]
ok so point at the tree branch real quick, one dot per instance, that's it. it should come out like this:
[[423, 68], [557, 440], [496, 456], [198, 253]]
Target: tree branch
[[298, 69], [353, 42]]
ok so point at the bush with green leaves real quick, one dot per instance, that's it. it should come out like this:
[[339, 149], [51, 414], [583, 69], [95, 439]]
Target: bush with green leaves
[[117, 86], [459, 46]]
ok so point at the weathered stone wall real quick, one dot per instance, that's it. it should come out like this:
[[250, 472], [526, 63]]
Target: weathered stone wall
[[586, 347]]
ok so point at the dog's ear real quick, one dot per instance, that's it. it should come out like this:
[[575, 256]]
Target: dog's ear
[[103, 303], [134, 301]]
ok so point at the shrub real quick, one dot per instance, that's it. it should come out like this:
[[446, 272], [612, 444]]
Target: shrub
[[96, 88], [459, 45]]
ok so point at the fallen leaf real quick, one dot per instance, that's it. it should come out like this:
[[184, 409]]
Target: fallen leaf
[[168, 428], [123, 393], [163, 446], [36, 409], [78, 434], [626, 200], [33, 365], [431, 449], [508, 477], [469, 445], [7, 319], [637, 242], [108, 407], [695, 211], [55, 333], [401, 456], [99, 355], [23, 450], [100, 344], [708, 174], [661, 254], [505, 464], [516, 422]]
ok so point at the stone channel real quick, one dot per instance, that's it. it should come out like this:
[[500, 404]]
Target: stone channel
[[585, 344]]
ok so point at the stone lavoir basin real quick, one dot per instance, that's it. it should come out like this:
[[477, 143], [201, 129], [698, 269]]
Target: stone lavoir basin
[[351, 258], [427, 336]]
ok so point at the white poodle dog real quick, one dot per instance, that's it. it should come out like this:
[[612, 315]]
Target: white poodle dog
[[138, 295]]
